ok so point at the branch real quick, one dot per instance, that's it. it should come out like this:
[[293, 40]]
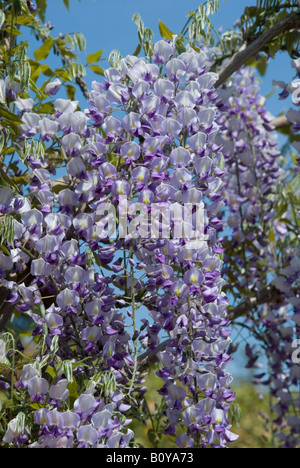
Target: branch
[[149, 358], [247, 51], [269, 295], [280, 122]]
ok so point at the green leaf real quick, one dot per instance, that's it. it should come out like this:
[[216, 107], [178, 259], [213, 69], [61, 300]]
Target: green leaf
[[59, 187], [7, 232], [24, 20], [180, 47], [64, 49], [36, 90], [24, 73], [96, 69], [75, 70], [68, 371], [262, 66], [212, 6], [165, 31], [195, 48], [137, 19], [4, 367], [37, 406], [13, 31], [115, 59], [7, 181], [2, 18], [94, 58], [272, 236], [36, 72], [67, 4], [5, 250], [2, 141], [63, 74], [73, 390], [46, 108], [80, 41], [252, 12], [274, 47], [140, 25], [17, 7], [20, 423], [42, 6], [154, 437], [236, 414], [54, 346], [43, 52]]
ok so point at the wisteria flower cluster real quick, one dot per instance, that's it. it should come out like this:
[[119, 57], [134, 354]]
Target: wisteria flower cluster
[[144, 150], [292, 90], [253, 172]]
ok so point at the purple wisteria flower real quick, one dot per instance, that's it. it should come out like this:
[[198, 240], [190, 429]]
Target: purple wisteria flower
[[53, 87]]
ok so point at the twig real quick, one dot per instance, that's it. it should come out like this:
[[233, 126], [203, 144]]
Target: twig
[[269, 295], [133, 292]]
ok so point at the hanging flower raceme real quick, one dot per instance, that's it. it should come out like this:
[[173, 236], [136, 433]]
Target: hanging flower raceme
[[258, 234], [133, 223], [176, 166]]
